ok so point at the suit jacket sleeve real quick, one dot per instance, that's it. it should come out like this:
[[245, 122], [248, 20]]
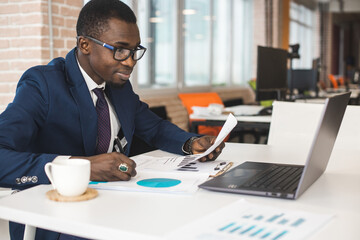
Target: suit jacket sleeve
[[19, 126]]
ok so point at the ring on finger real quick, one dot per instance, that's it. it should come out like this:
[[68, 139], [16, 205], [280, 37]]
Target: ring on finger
[[123, 167]]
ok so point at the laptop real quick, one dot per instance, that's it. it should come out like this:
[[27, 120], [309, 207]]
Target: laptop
[[284, 180]]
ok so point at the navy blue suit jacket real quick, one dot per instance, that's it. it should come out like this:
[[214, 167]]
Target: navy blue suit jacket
[[53, 114]]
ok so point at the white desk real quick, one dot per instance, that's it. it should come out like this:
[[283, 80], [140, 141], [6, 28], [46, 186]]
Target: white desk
[[125, 215]]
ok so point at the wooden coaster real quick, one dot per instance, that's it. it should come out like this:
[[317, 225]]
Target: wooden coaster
[[55, 196]]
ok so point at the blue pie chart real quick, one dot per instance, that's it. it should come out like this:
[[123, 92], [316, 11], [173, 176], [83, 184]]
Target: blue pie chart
[[159, 182]]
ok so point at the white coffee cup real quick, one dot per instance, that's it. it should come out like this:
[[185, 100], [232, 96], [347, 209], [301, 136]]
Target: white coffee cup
[[70, 177]]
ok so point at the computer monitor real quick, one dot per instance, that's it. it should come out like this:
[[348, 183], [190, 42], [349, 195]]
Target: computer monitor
[[302, 79], [271, 80]]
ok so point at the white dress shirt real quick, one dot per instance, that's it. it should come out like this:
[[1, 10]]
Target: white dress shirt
[[114, 121]]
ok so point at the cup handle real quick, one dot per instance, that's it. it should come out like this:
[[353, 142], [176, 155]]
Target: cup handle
[[47, 168]]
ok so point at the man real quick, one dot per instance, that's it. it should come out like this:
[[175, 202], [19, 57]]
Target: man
[[60, 110]]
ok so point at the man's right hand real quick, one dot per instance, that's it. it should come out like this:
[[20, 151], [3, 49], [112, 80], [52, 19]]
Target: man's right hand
[[105, 167]]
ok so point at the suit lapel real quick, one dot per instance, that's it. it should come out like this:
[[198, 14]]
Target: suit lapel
[[88, 117], [81, 95]]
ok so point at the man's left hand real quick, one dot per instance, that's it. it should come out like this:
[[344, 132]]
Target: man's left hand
[[201, 144]]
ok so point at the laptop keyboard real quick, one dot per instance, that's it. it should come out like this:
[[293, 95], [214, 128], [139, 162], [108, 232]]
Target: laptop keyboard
[[277, 178]]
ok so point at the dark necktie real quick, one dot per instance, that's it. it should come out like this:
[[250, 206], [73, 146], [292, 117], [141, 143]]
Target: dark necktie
[[104, 128]]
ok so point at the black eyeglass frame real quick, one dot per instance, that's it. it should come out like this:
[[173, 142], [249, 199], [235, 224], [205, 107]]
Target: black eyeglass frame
[[115, 49]]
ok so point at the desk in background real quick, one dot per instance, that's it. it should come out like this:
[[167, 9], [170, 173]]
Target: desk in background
[[260, 123], [354, 97], [133, 215]]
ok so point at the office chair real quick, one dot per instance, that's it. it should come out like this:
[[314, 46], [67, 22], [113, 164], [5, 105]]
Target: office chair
[[333, 81], [201, 100]]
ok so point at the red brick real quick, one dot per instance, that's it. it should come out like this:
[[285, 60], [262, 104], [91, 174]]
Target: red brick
[[45, 54], [58, 21], [10, 54], [8, 9], [4, 20], [55, 9], [7, 88], [71, 43], [10, 76], [31, 31], [34, 6], [4, 43], [9, 32], [70, 23], [6, 99], [22, 66], [63, 53], [76, 3], [45, 42], [12, 87], [45, 31], [67, 11], [67, 33], [59, 43], [61, 2], [56, 32], [4, 65], [31, 54], [25, 42]]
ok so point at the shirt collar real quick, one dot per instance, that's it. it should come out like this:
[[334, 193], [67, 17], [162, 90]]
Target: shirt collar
[[91, 84]]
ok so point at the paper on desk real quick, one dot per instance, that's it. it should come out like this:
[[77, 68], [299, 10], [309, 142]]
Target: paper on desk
[[245, 220], [211, 110], [160, 173], [245, 110], [168, 163], [149, 163], [157, 182]]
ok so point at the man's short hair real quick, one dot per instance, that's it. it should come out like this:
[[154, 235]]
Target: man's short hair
[[94, 16]]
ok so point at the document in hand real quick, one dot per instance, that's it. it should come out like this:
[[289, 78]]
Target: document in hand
[[169, 163], [169, 174]]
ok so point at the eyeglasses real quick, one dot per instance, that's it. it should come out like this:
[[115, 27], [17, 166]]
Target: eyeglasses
[[121, 54]]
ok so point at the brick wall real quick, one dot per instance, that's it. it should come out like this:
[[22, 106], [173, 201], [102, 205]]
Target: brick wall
[[24, 37]]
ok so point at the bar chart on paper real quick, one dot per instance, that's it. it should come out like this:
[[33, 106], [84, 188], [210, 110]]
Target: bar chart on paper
[[262, 225], [244, 220]]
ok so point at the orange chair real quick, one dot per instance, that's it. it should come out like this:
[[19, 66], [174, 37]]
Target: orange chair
[[202, 100], [333, 81], [341, 81]]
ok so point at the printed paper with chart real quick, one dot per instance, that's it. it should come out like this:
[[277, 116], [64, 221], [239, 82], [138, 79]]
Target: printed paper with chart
[[175, 162], [244, 220], [164, 175]]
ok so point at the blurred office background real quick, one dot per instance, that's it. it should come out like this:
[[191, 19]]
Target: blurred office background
[[193, 45]]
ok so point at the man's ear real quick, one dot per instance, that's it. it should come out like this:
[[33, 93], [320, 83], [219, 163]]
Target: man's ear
[[83, 45]]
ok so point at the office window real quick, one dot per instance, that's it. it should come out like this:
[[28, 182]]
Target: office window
[[196, 34], [302, 31], [157, 23], [242, 42], [221, 53], [193, 43]]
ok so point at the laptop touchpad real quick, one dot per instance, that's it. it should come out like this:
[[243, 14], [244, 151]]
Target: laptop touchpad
[[244, 172]]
